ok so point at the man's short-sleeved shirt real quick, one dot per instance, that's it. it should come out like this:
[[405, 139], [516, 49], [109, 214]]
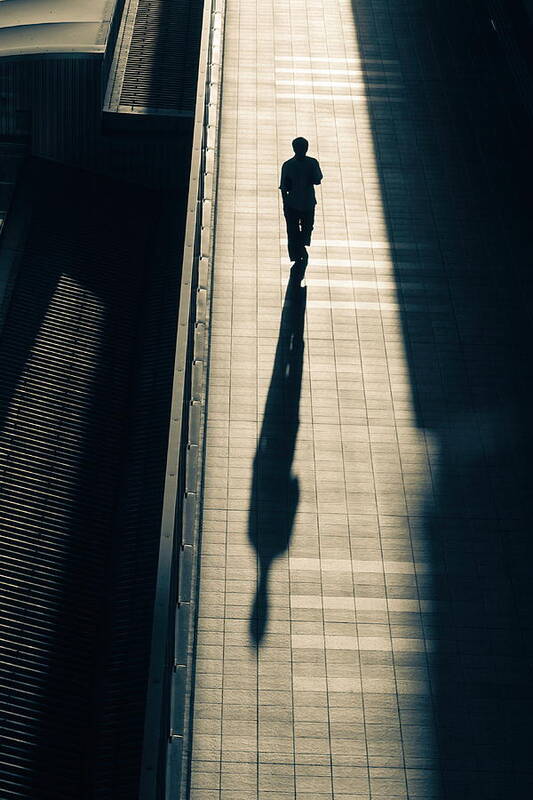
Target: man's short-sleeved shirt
[[298, 178]]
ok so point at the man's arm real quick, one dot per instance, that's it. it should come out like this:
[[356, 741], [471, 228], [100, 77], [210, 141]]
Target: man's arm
[[317, 176], [285, 182]]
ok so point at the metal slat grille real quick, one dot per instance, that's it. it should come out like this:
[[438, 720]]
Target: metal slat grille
[[67, 352], [161, 69]]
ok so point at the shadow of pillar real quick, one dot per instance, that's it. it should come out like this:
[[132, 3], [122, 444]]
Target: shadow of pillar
[[452, 157]]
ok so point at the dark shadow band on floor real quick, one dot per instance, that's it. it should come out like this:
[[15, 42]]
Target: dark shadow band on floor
[[454, 164]]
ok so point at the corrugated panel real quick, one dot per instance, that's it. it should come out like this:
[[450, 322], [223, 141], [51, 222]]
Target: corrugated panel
[[138, 518], [65, 102], [14, 123], [162, 62], [68, 353]]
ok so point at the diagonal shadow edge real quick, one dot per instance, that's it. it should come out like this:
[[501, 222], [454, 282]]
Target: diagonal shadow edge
[[469, 367]]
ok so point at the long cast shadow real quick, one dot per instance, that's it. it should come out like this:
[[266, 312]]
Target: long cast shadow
[[275, 491]]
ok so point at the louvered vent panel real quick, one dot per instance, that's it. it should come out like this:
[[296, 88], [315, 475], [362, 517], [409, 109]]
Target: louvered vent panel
[[161, 69], [68, 352]]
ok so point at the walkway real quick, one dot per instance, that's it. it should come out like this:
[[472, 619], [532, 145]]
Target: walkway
[[363, 609]]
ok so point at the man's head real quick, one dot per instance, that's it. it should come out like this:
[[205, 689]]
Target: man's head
[[300, 146]]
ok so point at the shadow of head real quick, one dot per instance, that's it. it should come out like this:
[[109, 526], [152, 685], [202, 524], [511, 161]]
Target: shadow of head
[[275, 490]]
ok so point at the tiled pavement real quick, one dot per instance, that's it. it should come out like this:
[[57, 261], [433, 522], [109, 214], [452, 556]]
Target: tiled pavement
[[363, 612]]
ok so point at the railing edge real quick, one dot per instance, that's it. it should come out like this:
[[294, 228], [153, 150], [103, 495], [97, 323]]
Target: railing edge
[[163, 739]]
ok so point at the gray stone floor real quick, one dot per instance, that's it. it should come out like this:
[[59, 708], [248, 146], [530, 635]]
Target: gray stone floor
[[357, 632]]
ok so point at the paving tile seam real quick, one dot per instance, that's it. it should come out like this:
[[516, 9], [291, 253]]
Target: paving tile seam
[[312, 593]]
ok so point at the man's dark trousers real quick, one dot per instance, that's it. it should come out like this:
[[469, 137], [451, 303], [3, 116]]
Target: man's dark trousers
[[299, 227]]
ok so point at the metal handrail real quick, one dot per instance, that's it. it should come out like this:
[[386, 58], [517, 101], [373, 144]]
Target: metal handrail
[[159, 735]]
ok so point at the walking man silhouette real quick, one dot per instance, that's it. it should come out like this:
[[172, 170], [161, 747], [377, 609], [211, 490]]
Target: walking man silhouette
[[299, 176]]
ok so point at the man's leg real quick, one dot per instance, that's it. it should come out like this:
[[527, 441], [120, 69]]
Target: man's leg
[[307, 221], [293, 232]]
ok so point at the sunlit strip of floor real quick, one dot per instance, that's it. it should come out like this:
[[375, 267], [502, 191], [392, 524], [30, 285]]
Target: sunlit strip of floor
[[315, 59], [338, 84], [364, 98]]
